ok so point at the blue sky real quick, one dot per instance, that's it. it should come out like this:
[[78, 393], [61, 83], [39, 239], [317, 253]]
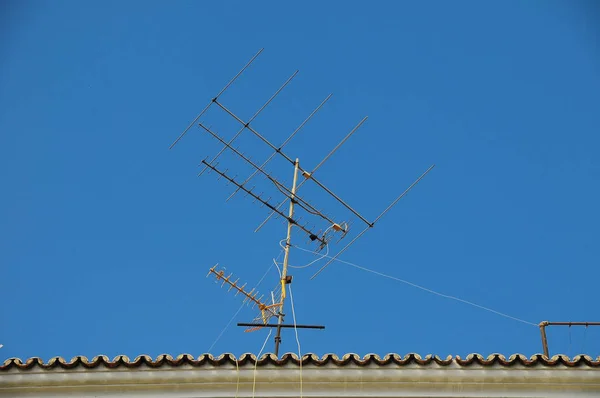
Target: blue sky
[[107, 235]]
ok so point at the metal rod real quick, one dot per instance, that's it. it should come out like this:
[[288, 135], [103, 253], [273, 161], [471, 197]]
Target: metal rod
[[279, 185], [286, 157], [340, 144], [270, 325], [282, 145], [251, 119], [373, 224], [544, 339], [218, 95], [270, 206], [256, 133], [286, 258], [544, 324], [346, 205], [404, 193], [314, 170]]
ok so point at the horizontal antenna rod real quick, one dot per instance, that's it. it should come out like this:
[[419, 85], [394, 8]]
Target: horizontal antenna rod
[[314, 170], [283, 145], [251, 119], [279, 185], [373, 224], [270, 206], [286, 157], [218, 95], [270, 325]]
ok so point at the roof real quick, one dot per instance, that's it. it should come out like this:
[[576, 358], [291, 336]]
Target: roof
[[328, 376], [166, 360]]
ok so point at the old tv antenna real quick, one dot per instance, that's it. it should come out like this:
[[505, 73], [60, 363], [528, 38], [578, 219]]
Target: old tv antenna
[[273, 305]]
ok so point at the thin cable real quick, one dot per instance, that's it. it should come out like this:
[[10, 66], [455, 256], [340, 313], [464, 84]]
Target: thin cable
[[312, 262], [297, 339], [426, 289], [277, 265], [239, 309], [256, 362], [237, 385]]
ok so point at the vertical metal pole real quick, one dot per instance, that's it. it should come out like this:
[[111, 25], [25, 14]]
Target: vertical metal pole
[[286, 257], [544, 339]]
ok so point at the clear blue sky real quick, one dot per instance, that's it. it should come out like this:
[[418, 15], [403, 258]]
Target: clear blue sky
[[106, 235]]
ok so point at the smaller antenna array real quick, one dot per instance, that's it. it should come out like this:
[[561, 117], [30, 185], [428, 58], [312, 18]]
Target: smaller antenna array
[[290, 195], [267, 311]]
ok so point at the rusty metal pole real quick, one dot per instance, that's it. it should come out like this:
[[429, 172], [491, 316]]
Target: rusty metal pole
[[543, 325]]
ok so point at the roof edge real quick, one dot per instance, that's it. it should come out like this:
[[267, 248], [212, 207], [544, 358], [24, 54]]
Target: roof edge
[[293, 359]]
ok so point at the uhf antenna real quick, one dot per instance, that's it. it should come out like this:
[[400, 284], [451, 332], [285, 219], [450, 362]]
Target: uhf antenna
[[273, 305]]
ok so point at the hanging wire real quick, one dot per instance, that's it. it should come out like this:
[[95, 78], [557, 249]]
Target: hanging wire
[[256, 362], [425, 289], [297, 339], [277, 265], [312, 262], [237, 385]]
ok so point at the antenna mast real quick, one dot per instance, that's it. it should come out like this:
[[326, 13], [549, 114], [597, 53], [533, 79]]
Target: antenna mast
[[286, 257], [296, 203]]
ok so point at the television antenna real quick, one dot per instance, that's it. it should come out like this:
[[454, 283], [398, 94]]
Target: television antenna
[[332, 226]]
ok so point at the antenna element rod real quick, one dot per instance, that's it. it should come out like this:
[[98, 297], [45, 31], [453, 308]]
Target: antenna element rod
[[314, 170], [251, 119], [282, 146], [218, 95], [270, 206], [301, 202], [373, 224]]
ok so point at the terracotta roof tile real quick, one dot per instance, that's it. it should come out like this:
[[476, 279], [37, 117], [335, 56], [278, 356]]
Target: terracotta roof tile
[[308, 359]]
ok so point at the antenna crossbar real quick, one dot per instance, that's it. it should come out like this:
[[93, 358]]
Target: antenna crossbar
[[311, 174], [304, 172], [301, 202], [256, 133], [283, 145], [214, 100], [269, 325], [311, 235]]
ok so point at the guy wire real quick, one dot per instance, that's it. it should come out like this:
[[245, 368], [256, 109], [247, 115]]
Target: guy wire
[[424, 288]]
